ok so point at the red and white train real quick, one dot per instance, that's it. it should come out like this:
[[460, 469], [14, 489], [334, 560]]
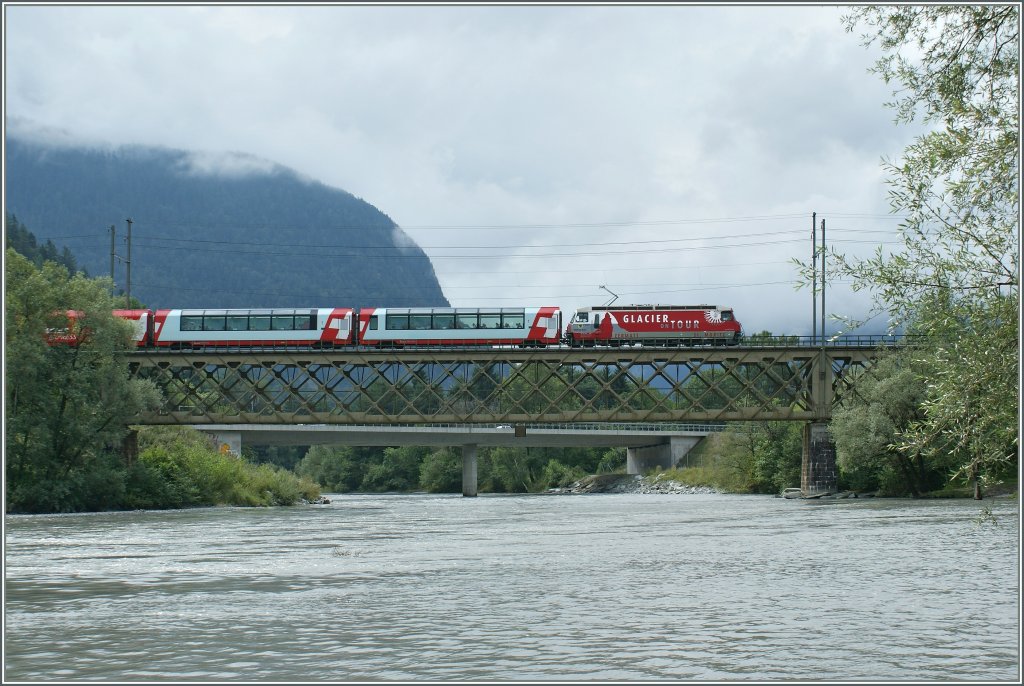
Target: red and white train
[[391, 327]]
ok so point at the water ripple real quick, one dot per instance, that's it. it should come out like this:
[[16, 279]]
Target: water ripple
[[616, 587]]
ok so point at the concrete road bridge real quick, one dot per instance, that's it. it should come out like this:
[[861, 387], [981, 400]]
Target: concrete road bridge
[[325, 394]]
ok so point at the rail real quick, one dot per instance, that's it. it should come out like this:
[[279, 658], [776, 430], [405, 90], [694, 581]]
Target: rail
[[747, 342]]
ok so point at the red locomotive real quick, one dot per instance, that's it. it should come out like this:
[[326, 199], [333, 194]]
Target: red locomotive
[[653, 324], [389, 327]]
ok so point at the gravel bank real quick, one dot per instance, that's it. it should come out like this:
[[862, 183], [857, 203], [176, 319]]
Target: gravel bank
[[630, 483]]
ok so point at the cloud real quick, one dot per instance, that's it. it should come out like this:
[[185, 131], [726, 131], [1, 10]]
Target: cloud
[[672, 153]]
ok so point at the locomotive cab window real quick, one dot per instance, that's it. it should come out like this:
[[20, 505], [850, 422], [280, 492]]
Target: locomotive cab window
[[727, 316]]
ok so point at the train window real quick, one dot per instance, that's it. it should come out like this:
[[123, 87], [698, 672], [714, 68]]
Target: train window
[[512, 321], [373, 323], [191, 323], [395, 322], [490, 320], [238, 323], [305, 323], [259, 322], [282, 322], [444, 321], [420, 322], [465, 321], [213, 323], [582, 317], [727, 316]]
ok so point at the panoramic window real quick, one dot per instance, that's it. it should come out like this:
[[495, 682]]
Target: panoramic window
[[191, 323], [420, 322], [444, 321], [259, 322], [465, 321], [238, 323], [282, 322], [513, 321], [490, 320], [213, 323], [397, 321]]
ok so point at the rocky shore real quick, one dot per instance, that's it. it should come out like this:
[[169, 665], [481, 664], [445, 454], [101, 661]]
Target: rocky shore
[[630, 483]]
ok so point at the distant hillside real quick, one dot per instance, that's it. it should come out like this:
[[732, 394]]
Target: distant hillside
[[216, 231], [17, 236]]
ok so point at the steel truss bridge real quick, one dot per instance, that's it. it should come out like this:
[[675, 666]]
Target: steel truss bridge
[[505, 386]]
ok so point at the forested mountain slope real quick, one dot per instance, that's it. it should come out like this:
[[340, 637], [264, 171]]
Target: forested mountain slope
[[215, 231]]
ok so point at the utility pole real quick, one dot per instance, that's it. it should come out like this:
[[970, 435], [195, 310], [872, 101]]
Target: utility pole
[[112, 257], [128, 262], [814, 282], [823, 284]]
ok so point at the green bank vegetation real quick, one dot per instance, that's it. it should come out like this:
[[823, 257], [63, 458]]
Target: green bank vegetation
[[68, 408]]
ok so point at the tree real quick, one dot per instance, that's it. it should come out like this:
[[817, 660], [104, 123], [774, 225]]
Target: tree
[[868, 431], [67, 406], [956, 275]]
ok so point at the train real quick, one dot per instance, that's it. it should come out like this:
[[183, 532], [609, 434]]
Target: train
[[400, 327]]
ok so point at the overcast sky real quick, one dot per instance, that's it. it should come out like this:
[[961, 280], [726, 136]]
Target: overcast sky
[[673, 154]]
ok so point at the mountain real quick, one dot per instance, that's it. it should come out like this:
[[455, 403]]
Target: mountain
[[214, 231]]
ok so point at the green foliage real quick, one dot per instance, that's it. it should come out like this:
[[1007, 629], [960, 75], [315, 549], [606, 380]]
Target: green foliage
[[558, 475], [612, 460], [756, 457], [399, 470], [956, 276], [336, 469], [441, 472], [66, 405], [180, 467], [23, 241], [869, 428]]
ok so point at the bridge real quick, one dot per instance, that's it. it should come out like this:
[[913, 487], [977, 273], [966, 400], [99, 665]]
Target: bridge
[[253, 389]]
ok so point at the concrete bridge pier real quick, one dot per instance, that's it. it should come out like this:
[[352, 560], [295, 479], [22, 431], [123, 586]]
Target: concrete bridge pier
[[818, 471], [469, 471], [663, 455]]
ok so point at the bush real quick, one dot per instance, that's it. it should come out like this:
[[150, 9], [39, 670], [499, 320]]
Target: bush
[[557, 475], [441, 472], [179, 468]]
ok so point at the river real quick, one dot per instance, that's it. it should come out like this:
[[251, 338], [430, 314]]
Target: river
[[519, 587]]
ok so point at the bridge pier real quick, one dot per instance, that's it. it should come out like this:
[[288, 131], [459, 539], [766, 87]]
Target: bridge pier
[[469, 483], [818, 471], [664, 455]]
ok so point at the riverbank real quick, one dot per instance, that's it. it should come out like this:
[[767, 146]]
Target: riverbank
[[658, 484], [630, 483]]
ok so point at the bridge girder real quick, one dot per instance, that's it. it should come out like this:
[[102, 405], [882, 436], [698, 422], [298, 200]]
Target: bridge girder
[[500, 385]]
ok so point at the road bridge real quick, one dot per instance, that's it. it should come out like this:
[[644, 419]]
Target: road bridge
[[648, 446], [488, 387]]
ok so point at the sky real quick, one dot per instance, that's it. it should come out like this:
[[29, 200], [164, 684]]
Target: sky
[[539, 154]]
